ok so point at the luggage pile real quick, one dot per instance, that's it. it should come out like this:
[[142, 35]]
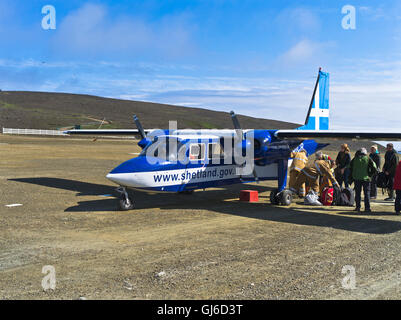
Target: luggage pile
[[336, 197]]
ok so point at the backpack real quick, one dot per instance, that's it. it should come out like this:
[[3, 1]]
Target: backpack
[[327, 196], [344, 197], [348, 197], [382, 181], [372, 170]]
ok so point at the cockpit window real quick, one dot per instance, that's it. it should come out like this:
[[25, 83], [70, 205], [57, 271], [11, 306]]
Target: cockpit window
[[165, 149], [182, 153]]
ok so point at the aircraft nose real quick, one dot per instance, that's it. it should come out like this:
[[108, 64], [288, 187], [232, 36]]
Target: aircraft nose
[[111, 176], [121, 174], [131, 173], [122, 179], [115, 178], [124, 174]]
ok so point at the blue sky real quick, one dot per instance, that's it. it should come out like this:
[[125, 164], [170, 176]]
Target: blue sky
[[259, 58]]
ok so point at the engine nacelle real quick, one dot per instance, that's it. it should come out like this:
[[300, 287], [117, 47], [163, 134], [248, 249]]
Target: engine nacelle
[[144, 142], [255, 143], [262, 140]]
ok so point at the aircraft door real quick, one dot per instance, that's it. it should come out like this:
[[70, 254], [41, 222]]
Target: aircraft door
[[215, 153], [195, 160]]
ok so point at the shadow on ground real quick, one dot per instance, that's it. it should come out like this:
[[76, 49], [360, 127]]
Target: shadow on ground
[[221, 201]]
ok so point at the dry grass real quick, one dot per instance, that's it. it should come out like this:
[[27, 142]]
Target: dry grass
[[209, 244]]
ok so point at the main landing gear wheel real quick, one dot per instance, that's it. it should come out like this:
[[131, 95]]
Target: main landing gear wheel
[[126, 202], [284, 197]]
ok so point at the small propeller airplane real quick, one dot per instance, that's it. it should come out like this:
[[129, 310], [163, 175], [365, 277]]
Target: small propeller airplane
[[184, 160]]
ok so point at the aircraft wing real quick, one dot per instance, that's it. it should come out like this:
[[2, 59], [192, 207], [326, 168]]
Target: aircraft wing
[[102, 132], [338, 134], [396, 144]]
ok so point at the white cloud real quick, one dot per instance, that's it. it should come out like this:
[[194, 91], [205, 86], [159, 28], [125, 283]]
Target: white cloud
[[304, 52], [374, 13], [368, 105], [91, 30], [304, 49]]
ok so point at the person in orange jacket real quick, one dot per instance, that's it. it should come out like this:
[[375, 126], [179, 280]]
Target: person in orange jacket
[[300, 159], [397, 188], [324, 181], [311, 174]]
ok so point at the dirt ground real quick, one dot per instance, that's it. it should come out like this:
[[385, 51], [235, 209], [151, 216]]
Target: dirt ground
[[207, 245]]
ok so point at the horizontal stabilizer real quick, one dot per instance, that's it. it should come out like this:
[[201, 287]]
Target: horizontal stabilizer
[[337, 135]]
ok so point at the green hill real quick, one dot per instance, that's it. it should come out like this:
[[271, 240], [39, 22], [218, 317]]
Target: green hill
[[43, 110]]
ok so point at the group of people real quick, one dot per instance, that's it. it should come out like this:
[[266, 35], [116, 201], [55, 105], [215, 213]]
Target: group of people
[[362, 170], [302, 174]]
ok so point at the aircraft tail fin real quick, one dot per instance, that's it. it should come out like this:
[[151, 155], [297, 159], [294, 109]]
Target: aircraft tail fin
[[318, 113]]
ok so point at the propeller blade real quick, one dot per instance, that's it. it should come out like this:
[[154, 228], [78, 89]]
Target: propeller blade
[[237, 126], [139, 126], [240, 136]]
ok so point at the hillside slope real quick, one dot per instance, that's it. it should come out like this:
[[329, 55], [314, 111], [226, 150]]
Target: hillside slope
[[42, 110]]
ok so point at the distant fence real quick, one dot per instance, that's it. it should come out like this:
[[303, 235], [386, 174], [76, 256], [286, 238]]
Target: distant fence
[[33, 131]]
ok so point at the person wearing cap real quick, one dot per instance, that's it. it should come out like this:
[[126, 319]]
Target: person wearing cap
[[318, 155], [300, 159], [362, 168], [343, 161], [321, 156], [375, 156], [324, 181], [311, 174], [390, 165]]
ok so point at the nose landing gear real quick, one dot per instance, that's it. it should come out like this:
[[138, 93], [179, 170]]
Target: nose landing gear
[[126, 202]]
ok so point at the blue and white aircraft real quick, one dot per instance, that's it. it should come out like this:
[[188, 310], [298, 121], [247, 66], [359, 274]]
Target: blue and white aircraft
[[199, 158]]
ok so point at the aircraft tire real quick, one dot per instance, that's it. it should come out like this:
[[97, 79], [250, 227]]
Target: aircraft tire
[[126, 203], [286, 197], [274, 198]]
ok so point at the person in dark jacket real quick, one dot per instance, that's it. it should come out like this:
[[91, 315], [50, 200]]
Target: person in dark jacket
[[390, 165], [343, 161], [361, 170], [397, 188], [375, 156]]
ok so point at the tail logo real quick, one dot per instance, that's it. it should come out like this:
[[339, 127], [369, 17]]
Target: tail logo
[[318, 113]]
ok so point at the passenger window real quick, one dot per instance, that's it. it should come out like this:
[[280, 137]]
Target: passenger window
[[197, 151], [182, 153], [215, 151]]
